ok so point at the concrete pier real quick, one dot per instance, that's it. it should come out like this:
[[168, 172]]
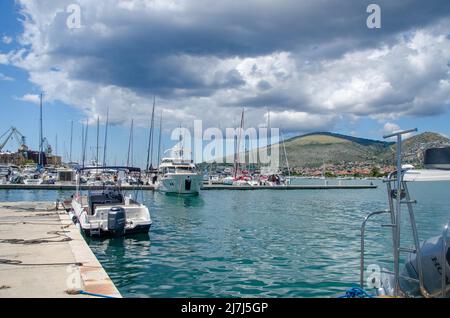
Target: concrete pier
[[44, 255]]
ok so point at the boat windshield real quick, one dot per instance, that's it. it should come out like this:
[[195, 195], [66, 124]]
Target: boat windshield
[[184, 169], [169, 170]]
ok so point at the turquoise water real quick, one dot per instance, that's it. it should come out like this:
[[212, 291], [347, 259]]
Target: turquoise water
[[254, 243]]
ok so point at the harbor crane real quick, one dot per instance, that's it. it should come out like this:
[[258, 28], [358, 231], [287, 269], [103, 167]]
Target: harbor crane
[[46, 146], [13, 133]]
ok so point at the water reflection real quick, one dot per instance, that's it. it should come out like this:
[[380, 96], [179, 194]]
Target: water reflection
[[255, 243]]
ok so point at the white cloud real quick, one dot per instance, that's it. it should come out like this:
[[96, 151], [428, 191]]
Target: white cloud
[[208, 62], [7, 39], [391, 128], [3, 58], [31, 98], [3, 77]]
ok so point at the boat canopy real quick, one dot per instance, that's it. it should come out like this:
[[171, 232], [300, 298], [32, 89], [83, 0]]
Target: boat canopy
[[427, 175]]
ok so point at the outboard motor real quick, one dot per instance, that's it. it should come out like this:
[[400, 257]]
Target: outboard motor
[[431, 252], [116, 221]]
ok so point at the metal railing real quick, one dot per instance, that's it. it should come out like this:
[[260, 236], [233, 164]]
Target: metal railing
[[444, 260], [363, 231]]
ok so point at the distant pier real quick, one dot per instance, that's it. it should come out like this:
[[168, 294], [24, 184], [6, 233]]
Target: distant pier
[[204, 187], [287, 187]]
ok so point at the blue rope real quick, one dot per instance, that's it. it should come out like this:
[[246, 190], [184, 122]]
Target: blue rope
[[356, 292], [95, 295]]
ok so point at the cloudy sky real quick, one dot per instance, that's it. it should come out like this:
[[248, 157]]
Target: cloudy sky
[[313, 63]]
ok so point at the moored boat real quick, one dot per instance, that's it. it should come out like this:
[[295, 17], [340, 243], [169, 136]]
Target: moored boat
[[109, 211], [178, 176]]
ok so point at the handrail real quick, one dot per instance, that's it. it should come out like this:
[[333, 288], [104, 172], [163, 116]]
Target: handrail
[[363, 230], [444, 260]]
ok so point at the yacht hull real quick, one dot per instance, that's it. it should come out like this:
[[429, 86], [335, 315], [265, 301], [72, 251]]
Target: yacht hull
[[180, 184]]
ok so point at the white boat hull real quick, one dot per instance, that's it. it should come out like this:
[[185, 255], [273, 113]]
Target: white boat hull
[[32, 181], [137, 219], [178, 183]]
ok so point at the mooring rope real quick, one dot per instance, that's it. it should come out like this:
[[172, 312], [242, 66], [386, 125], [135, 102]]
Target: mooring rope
[[356, 292], [20, 263], [40, 240]]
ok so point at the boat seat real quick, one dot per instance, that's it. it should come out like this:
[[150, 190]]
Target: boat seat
[[102, 198]]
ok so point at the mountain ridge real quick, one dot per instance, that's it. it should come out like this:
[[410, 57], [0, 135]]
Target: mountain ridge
[[312, 150]]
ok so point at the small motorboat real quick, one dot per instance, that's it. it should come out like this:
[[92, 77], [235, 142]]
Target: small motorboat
[[108, 211]]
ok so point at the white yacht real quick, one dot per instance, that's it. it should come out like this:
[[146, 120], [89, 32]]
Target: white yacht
[[109, 211], [178, 175]]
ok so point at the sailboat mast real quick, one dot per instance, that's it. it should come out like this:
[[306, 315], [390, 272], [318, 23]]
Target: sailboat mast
[[285, 155], [41, 143], [130, 141], [98, 135], [85, 142], [82, 144], [71, 139], [269, 134], [153, 129], [150, 139], [159, 142], [106, 137], [236, 168]]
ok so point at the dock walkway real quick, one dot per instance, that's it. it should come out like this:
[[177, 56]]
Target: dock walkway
[[44, 255]]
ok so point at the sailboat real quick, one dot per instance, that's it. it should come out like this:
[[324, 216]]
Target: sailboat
[[269, 175]]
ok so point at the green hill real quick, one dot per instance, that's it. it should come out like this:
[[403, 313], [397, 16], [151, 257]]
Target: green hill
[[312, 150]]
